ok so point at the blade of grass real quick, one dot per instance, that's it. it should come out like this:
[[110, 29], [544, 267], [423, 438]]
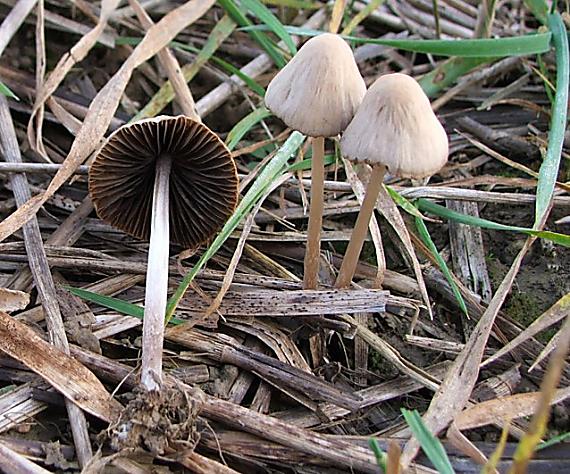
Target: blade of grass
[[238, 16], [430, 444], [380, 455], [297, 4], [361, 16], [5, 90], [467, 48], [441, 211], [424, 234], [549, 168], [245, 125], [272, 22], [117, 304], [274, 169], [448, 72]]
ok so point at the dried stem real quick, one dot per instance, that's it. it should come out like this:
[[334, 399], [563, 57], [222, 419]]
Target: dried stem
[[360, 228], [313, 252], [156, 279]]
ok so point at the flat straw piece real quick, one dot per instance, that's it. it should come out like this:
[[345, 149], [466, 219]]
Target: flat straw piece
[[313, 252], [156, 279], [360, 228]]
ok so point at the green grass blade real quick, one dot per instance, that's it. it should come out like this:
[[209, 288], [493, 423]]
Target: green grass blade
[[121, 306], [245, 125], [297, 4], [441, 211], [5, 90], [404, 203], [424, 234], [447, 74], [554, 440], [306, 164], [117, 304], [267, 176], [467, 48], [234, 11], [272, 22], [430, 444], [381, 456], [549, 168]]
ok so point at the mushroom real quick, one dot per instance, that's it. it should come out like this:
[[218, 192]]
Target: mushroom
[[395, 129], [317, 93], [163, 179]]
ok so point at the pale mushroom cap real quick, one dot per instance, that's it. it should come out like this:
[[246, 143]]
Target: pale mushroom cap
[[395, 126], [319, 90]]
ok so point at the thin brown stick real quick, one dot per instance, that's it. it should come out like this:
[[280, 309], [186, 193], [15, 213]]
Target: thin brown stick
[[360, 228], [313, 252]]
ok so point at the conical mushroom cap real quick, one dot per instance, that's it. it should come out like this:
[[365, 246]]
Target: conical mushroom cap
[[203, 179], [395, 126], [319, 90]]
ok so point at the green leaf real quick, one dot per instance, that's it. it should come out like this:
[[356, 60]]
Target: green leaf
[[441, 211], [5, 90], [306, 164], [245, 125], [404, 203], [268, 175], [549, 168], [272, 22], [430, 444], [554, 440], [424, 234], [467, 48], [447, 74], [117, 304], [234, 11], [381, 457], [297, 4]]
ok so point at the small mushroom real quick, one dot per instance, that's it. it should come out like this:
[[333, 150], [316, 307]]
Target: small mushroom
[[394, 128], [317, 93], [163, 179]]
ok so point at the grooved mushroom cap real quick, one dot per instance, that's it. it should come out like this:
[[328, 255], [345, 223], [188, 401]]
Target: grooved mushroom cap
[[203, 179], [395, 126], [319, 90]]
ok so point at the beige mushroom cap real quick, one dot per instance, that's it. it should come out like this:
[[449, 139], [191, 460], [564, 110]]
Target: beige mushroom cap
[[395, 126], [319, 90]]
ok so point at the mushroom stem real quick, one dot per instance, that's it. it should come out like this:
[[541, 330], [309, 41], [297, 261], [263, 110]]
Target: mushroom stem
[[156, 279], [354, 248], [313, 251]]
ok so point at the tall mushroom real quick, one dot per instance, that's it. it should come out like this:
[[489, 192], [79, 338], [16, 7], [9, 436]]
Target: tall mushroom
[[317, 93], [164, 179], [394, 128]]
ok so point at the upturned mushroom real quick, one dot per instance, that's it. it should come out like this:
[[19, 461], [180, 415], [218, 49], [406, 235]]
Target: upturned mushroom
[[395, 129], [163, 179], [317, 93]]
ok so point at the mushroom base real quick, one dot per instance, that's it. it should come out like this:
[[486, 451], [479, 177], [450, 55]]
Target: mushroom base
[[156, 421]]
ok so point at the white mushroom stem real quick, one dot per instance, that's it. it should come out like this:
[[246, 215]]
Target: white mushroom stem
[[313, 251], [360, 231], [156, 279]]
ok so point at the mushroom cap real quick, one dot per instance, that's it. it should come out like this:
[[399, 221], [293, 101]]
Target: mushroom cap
[[395, 126], [319, 90], [203, 179]]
